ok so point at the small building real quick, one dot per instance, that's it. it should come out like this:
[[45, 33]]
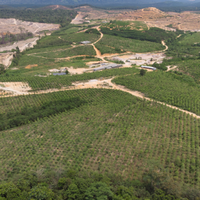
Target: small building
[[85, 42], [59, 74], [108, 66], [54, 70], [148, 67]]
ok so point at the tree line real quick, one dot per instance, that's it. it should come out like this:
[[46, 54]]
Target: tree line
[[152, 35], [29, 114], [87, 185], [8, 37], [58, 16]]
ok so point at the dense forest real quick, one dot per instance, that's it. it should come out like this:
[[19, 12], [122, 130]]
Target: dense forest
[[30, 114], [152, 35], [57, 16], [87, 185], [14, 37]]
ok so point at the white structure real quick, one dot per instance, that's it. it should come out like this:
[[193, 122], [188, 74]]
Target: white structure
[[85, 42], [148, 67], [108, 66]]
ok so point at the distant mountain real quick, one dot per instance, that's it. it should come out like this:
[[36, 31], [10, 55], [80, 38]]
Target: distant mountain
[[94, 2]]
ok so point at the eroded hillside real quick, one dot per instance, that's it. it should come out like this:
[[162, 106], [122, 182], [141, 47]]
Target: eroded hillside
[[187, 21]]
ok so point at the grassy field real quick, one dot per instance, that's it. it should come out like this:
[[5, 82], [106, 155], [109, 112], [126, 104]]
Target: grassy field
[[114, 132], [113, 44]]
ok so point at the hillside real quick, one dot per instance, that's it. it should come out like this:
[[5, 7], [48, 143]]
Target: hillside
[[76, 2], [103, 109]]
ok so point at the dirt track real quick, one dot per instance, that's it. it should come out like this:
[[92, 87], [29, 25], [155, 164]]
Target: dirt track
[[106, 84], [163, 43], [78, 19]]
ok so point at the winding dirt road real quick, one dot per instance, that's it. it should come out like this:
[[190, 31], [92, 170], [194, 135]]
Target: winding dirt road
[[163, 43]]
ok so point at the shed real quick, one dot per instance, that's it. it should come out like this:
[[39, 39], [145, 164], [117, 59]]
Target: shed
[[108, 66], [59, 74], [148, 67]]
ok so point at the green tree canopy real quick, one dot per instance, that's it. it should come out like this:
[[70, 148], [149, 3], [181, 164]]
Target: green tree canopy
[[98, 191]]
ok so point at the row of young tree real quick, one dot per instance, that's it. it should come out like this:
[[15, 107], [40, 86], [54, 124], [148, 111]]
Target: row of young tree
[[30, 114], [152, 35], [86, 185], [14, 37]]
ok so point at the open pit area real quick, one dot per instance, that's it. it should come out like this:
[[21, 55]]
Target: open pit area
[[153, 17], [15, 26], [23, 45]]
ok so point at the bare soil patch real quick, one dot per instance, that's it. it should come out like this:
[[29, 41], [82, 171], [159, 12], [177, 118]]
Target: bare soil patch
[[6, 59], [30, 66], [73, 71], [15, 26], [153, 17]]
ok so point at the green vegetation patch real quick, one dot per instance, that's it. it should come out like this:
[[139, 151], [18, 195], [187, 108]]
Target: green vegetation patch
[[57, 16], [111, 133], [81, 50], [43, 83], [190, 39], [28, 114], [177, 90], [190, 67], [152, 35], [125, 25], [68, 184], [186, 45], [79, 37], [115, 44], [29, 60], [9, 38]]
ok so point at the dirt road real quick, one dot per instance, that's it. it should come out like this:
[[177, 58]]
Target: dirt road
[[166, 47], [169, 68], [98, 53], [78, 19], [106, 84]]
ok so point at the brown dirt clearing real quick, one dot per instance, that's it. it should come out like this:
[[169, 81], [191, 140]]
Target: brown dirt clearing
[[30, 66]]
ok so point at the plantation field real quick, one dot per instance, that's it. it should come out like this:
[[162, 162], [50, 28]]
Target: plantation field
[[177, 90], [115, 44], [44, 58], [126, 25], [191, 38], [112, 132], [82, 50], [191, 68], [52, 126], [186, 45], [50, 82], [44, 65]]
